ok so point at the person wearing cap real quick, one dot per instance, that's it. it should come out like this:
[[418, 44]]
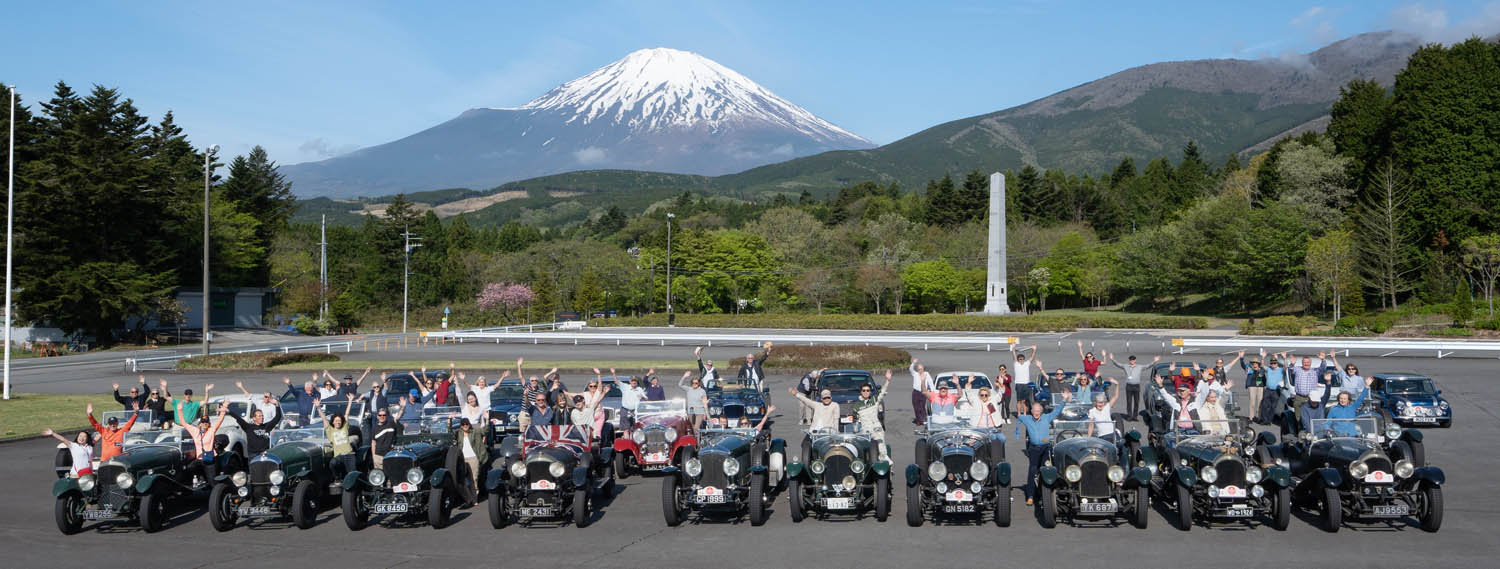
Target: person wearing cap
[[942, 403], [866, 411], [654, 390], [136, 399], [529, 393], [1312, 408], [1276, 389], [411, 405], [631, 396], [1132, 382], [706, 371], [307, 398], [475, 453], [1101, 415], [80, 449], [697, 399], [111, 436], [1036, 427], [383, 433], [751, 370], [258, 429], [808, 386], [443, 390], [1255, 384], [351, 385], [825, 413], [186, 410]]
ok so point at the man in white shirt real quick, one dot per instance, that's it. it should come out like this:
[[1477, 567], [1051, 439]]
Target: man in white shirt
[[1021, 378], [921, 383], [825, 413], [706, 372], [1101, 415], [630, 396]]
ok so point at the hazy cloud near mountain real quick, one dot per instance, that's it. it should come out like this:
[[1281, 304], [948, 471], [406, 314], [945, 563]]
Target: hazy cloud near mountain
[[1432, 24], [320, 148]]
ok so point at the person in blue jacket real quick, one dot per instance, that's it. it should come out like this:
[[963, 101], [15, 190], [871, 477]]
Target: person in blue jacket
[[1036, 427]]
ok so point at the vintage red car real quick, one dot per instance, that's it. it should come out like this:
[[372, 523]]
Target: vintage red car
[[658, 437]]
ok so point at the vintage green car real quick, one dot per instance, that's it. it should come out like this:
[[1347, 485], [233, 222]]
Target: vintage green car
[[421, 474], [842, 473], [1221, 471], [153, 471], [296, 478], [1091, 478], [960, 471]]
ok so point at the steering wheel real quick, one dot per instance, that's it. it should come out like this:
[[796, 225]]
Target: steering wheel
[[1068, 434]]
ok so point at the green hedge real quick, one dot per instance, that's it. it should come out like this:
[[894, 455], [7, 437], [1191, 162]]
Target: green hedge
[[833, 357], [261, 360], [1278, 326], [918, 322]]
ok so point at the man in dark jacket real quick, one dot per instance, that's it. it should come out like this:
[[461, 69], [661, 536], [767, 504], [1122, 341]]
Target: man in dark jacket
[[383, 435], [307, 398], [136, 399], [257, 431], [751, 370]]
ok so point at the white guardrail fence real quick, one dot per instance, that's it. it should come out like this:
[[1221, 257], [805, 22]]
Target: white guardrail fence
[[754, 338], [169, 362], [1384, 347]]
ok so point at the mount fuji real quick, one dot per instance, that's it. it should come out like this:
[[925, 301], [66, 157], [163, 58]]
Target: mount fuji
[[660, 110]]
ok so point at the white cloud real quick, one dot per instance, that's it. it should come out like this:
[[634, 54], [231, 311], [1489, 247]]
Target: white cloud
[[320, 148], [1308, 16], [1433, 24], [590, 155]]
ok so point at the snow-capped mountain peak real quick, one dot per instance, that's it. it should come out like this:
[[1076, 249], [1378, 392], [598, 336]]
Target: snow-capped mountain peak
[[662, 89]]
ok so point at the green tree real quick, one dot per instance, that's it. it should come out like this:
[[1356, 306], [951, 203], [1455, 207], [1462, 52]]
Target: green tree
[[1462, 309], [1360, 125], [1315, 178], [1193, 175], [588, 296], [1482, 255], [1332, 267], [263, 194], [930, 284], [1385, 237]]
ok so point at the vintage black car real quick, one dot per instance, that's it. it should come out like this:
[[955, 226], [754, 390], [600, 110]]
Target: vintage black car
[[153, 471], [422, 473], [1352, 469], [548, 473], [960, 471], [842, 474], [295, 478], [1085, 477], [1410, 400], [844, 384], [505, 409], [729, 474], [730, 398], [1221, 470]]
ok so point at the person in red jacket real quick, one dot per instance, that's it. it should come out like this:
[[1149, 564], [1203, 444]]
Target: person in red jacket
[[1090, 363], [111, 437]]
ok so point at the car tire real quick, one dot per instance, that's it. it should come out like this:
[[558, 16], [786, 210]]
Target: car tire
[[1333, 510], [758, 500], [806, 449], [1048, 505], [355, 516], [63, 462], [69, 513], [1140, 515], [581, 508], [153, 512], [914, 510], [1002, 506], [220, 511], [1281, 510], [304, 505], [882, 499], [1415, 452], [622, 466], [499, 517], [670, 509], [439, 507], [1432, 515], [1184, 507], [794, 497]]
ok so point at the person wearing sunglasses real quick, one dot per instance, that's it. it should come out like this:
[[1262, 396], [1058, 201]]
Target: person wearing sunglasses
[[697, 399], [385, 432], [866, 411], [136, 399]]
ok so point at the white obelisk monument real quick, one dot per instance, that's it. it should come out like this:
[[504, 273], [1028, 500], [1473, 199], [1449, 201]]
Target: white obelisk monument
[[994, 296]]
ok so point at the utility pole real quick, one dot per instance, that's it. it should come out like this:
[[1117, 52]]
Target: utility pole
[[323, 269], [671, 316], [10, 208], [406, 272], [207, 305]]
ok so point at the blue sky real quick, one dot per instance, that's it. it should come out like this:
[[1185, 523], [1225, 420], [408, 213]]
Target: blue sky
[[311, 79]]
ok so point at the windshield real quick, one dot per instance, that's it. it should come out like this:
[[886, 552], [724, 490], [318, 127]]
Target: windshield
[[439, 412], [430, 424], [1362, 427], [959, 423], [1410, 386], [953, 381], [400, 385], [142, 422], [1064, 430], [166, 437], [241, 408], [1193, 428], [667, 407], [331, 408], [279, 436], [507, 393], [614, 386], [569, 433], [844, 382]]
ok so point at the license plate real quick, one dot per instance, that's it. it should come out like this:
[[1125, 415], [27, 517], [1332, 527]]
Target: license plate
[[405, 487], [1393, 510], [849, 419], [1379, 477], [653, 466], [255, 511], [656, 457], [544, 485], [1424, 419], [1231, 492], [958, 508], [959, 496], [389, 508], [99, 514], [838, 503], [536, 512], [1097, 508], [1239, 513], [711, 495]]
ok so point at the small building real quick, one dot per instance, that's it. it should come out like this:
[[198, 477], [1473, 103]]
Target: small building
[[228, 307]]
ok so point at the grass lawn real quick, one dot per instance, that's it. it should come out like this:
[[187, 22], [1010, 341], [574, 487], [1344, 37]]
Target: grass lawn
[[491, 368], [27, 414]]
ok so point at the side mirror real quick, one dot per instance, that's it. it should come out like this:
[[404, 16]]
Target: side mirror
[[1439, 392]]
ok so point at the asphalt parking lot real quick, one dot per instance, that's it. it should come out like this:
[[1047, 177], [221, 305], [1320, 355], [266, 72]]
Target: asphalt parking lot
[[628, 530]]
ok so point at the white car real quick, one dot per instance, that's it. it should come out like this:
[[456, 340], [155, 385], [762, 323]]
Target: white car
[[965, 409]]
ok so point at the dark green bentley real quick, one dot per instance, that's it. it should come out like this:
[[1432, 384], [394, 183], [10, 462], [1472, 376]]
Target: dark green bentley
[[841, 473], [421, 474], [137, 485], [295, 478]]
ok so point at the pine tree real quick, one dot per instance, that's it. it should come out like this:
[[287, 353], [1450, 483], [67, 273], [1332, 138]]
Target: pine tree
[[1123, 173], [257, 189]]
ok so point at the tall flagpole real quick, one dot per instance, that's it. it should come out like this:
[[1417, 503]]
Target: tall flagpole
[[10, 208]]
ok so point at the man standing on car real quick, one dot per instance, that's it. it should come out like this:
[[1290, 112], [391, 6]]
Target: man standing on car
[[630, 396], [807, 387], [111, 437], [825, 413], [1255, 384], [1090, 363], [385, 432], [921, 384], [307, 399], [1037, 428], [137, 398], [1132, 383], [866, 410], [706, 372], [257, 431], [1304, 381], [1021, 368], [751, 370]]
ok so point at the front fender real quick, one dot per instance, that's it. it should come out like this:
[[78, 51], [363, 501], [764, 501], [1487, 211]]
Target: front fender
[[794, 470], [1411, 435], [1330, 477], [581, 477], [913, 474], [1139, 476], [1148, 457], [1277, 476], [881, 469], [778, 445], [1185, 476], [626, 444], [758, 469], [1430, 474], [439, 478], [1048, 475], [65, 485], [1002, 473], [494, 479], [1267, 438], [351, 480]]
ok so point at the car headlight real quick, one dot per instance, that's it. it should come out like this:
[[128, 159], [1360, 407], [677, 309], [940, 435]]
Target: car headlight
[[979, 470], [671, 434], [1402, 404], [715, 410], [857, 466], [731, 466], [1359, 469], [1254, 475], [1393, 431], [937, 470], [1257, 491], [1116, 474], [125, 480], [1404, 468], [1208, 473], [848, 483], [377, 477], [693, 468], [277, 476], [556, 469], [1443, 404], [639, 436], [976, 487], [749, 410], [414, 476], [942, 487], [518, 469], [86, 482], [239, 479], [1072, 473], [817, 467], [275, 490], [243, 491]]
